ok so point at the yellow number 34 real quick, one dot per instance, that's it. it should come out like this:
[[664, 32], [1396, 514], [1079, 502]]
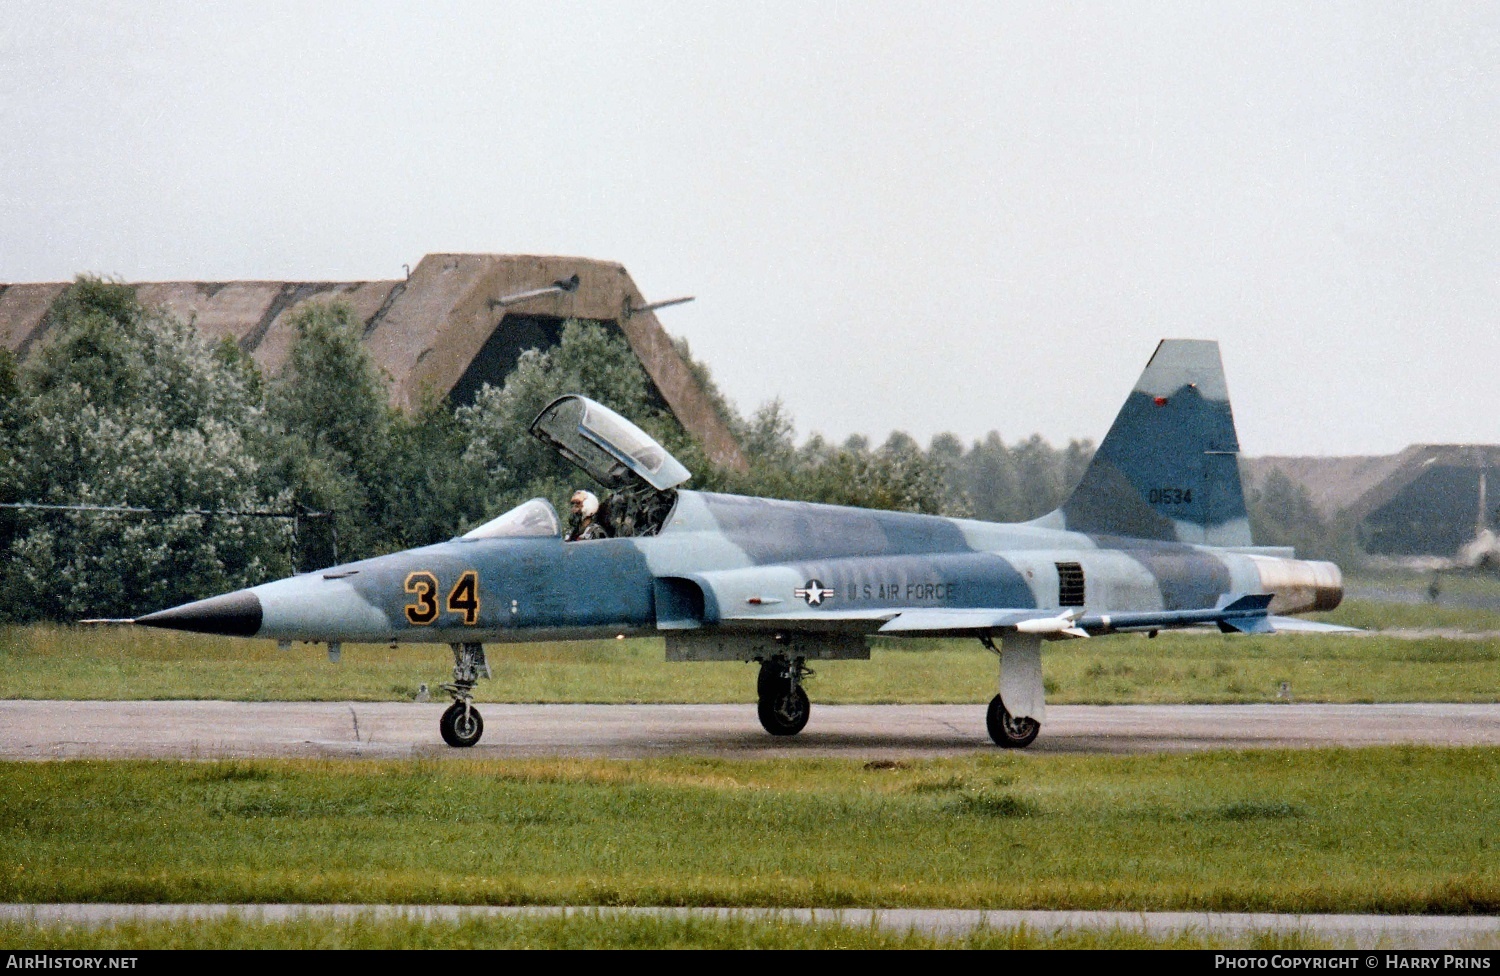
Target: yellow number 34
[[462, 599]]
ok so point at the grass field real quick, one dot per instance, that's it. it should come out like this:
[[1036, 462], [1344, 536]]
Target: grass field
[[1384, 615], [1404, 830], [135, 663], [1455, 590], [588, 932]]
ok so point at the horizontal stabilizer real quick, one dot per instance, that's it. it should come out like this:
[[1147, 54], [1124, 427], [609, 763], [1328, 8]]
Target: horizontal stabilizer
[[1246, 614], [1249, 603], [1246, 625]]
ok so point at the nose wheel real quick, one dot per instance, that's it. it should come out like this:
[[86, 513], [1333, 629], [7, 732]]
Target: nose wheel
[[783, 708], [461, 725]]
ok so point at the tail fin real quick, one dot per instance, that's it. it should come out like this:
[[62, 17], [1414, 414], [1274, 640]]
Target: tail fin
[[1168, 468]]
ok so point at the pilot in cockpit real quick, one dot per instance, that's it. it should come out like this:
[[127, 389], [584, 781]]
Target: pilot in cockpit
[[584, 522]]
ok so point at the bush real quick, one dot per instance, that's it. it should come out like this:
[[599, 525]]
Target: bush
[[124, 407]]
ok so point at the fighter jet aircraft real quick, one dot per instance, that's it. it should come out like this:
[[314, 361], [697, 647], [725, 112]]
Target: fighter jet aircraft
[[1154, 537]]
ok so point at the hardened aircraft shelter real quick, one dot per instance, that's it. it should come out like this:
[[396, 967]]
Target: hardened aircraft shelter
[[456, 322]]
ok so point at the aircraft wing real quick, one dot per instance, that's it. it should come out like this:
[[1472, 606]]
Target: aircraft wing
[[1238, 613], [1241, 616], [755, 599], [895, 621], [1246, 615]]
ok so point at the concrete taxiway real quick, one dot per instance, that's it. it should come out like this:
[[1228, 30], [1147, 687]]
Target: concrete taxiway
[[1341, 931], [212, 729]]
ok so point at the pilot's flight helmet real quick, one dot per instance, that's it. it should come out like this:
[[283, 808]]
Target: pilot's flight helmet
[[589, 504]]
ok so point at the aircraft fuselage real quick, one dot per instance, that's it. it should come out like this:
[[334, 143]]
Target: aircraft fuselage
[[751, 557]]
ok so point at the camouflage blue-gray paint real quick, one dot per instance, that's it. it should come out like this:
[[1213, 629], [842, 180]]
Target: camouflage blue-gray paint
[[775, 531], [1153, 528], [1168, 467]]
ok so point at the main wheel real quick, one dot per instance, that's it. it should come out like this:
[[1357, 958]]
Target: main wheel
[[1008, 731], [774, 679], [785, 713], [461, 727]]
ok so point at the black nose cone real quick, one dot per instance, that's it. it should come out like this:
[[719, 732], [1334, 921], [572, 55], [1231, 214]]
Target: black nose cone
[[233, 614]]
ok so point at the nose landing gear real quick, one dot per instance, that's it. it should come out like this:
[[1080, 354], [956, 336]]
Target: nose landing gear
[[783, 708], [461, 725]]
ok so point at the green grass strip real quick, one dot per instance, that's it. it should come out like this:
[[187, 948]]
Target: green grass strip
[[135, 663], [1400, 830]]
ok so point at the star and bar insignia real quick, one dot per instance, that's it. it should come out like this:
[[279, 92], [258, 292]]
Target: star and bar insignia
[[814, 592]]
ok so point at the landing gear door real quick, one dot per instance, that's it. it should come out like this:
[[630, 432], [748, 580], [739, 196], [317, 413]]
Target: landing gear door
[[610, 449]]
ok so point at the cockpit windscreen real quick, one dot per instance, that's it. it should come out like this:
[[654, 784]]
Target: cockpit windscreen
[[534, 519]]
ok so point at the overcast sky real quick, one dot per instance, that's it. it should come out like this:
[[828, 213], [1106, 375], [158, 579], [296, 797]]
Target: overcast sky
[[923, 217]]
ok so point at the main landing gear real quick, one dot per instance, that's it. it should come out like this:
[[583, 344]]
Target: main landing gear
[[784, 708], [461, 725], [1008, 731], [1021, 682]]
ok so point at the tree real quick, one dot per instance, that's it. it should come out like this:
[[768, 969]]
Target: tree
[[430, 489], [124, 407], [897, 476], [329, 434], [589, 360], [768, 442], [1282, 513], [12, 418], [1000, 483]]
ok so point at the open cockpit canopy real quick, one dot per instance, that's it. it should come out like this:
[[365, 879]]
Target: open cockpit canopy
[[534, 519], [610, 449]]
